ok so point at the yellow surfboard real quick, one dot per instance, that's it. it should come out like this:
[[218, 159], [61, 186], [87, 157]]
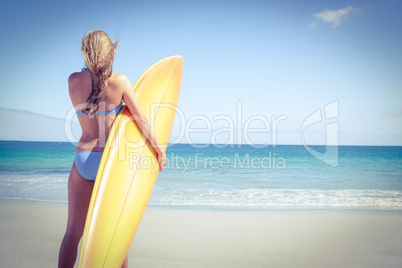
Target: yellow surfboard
[[129, 168]]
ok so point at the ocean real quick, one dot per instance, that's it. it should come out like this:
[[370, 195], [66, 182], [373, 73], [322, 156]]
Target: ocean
[[233, 177]]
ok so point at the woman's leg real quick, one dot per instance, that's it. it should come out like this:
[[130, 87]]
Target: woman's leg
[[79, 195]]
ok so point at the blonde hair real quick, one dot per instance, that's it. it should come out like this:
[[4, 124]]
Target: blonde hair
[[99, 51]]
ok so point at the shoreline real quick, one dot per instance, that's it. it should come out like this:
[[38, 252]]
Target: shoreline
[[221, 208], [31, 235]]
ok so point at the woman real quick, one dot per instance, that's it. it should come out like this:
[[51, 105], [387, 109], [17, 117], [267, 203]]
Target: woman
[[97, 94]]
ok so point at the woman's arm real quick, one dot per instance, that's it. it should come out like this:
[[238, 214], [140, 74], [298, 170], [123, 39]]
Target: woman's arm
[[135, 109]]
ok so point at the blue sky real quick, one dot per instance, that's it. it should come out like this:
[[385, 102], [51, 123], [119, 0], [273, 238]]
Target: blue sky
[[274, 57]]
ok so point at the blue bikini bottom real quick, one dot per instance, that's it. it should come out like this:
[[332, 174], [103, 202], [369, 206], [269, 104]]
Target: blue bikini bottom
[[87, 163]]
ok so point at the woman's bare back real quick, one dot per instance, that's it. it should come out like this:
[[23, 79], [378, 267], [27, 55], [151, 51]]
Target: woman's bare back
[[95, 129]]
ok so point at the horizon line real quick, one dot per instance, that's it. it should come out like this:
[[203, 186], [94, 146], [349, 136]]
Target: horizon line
[[225, 145]]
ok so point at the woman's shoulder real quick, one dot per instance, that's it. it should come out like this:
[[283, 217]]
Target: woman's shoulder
[[79, 83], [118, 77], [78, 76], [119, 80]]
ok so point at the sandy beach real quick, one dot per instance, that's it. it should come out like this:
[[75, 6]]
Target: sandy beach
[[30, 236]]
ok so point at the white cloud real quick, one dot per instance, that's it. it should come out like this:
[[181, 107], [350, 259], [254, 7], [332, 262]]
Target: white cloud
[[336, 17]]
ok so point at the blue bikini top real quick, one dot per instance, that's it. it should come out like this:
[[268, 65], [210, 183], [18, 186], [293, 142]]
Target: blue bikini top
[[114, 111]]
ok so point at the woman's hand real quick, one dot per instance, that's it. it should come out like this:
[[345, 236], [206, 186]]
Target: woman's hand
[[161, 159]]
